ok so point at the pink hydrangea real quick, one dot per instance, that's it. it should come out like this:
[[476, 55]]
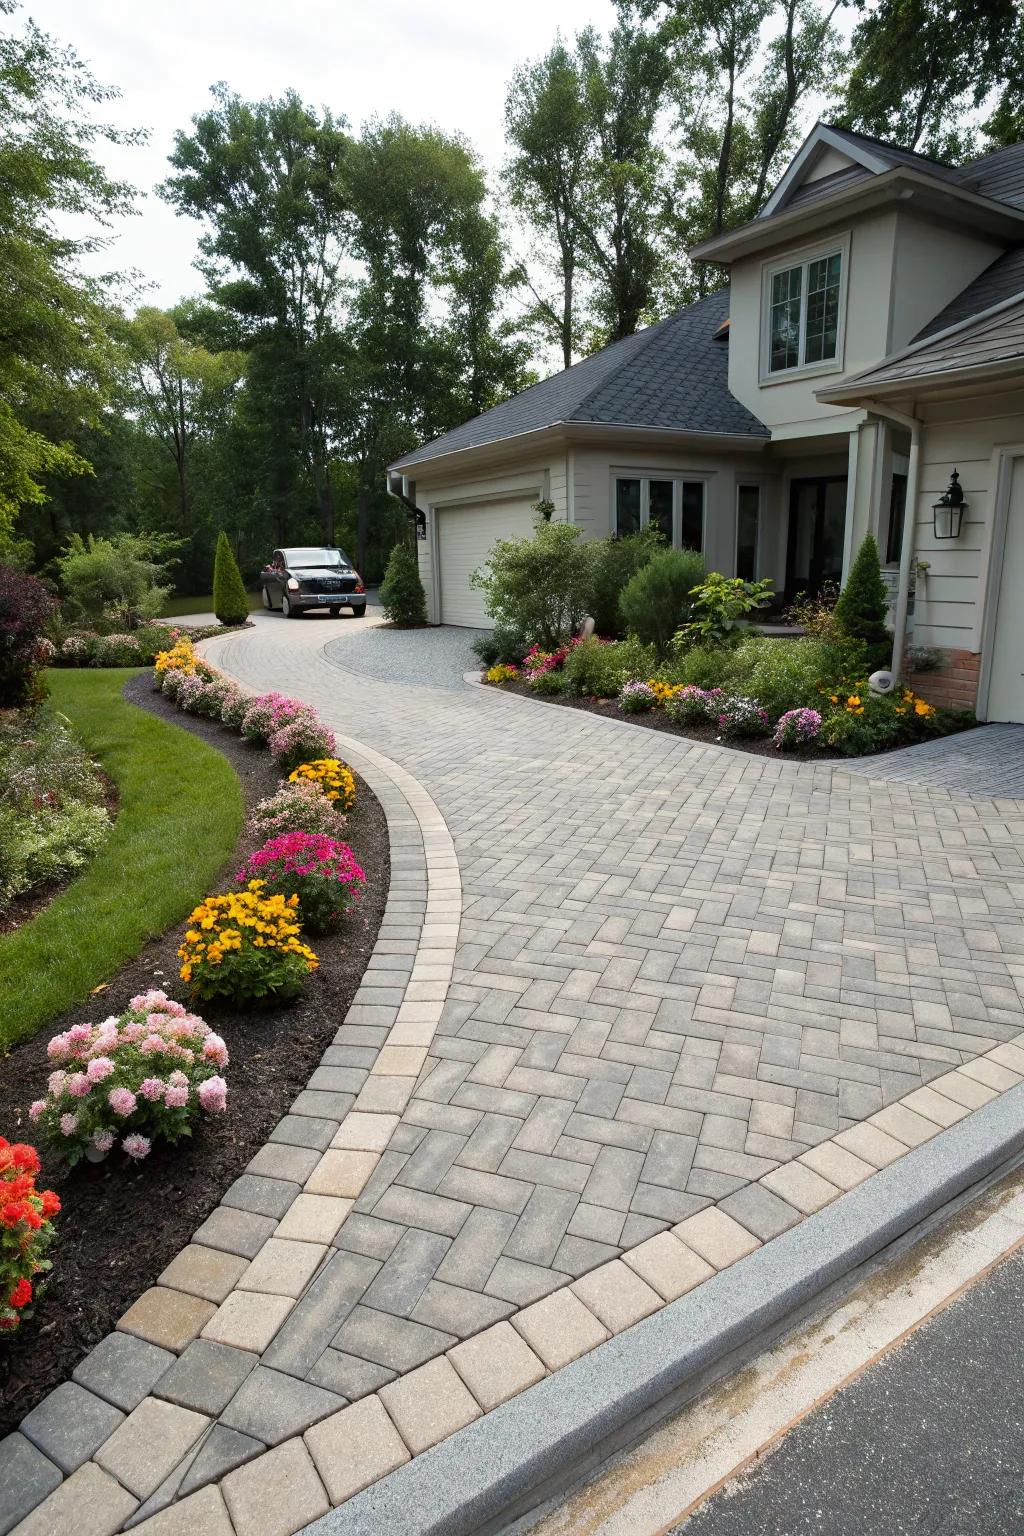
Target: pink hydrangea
[[56, 1080], [79, 1085], [68, 1124], [152, 1089], [213, 1095], [36, 1108], [99, 1068], [103, 1140], [176, 1095], [122, 1101], [137, 1147], [215, 1050]]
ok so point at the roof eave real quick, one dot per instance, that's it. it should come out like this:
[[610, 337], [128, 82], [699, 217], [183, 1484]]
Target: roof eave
[[889, 186], [862, 391]]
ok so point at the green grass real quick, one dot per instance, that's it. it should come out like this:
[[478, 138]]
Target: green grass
[[177, 607], [180, 815]]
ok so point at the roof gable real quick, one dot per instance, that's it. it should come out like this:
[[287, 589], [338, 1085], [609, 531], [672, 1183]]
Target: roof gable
[[840, 157]]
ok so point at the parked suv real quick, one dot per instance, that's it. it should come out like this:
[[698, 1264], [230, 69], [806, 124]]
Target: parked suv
[[323, 577]]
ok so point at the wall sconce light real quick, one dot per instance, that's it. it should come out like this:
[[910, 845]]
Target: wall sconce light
[[948, 511]]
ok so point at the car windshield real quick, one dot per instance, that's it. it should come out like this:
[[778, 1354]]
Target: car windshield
[[317, 557]]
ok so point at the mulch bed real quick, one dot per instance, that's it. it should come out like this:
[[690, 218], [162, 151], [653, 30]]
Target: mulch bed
[[122, 1223]]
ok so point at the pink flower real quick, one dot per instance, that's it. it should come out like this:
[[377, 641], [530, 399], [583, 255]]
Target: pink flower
[[215, 1050], [68, 1124], [55, 1082], [103, 1140], [132, 1032], [79, 1032], [152, 1088], [178, 1079], [79, 1085], [176, 1095], [99, 1068], [213, 1095], [152, 1044], [36, 1108], [137, 1147], [122, 1101], [57, 1050]]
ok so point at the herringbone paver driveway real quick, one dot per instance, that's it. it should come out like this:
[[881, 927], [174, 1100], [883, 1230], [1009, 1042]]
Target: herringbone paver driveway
[[678, 967]]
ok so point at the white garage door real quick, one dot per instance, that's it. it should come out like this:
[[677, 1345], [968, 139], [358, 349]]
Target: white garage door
[[465, 537], [1006, 684]]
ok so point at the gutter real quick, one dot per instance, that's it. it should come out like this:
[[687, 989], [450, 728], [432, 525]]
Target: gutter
[[909, 523], [404, 490]]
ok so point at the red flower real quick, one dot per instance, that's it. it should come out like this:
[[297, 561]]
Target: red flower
[[25, 1157], [21, 1295], [12, 1213], [51, 1203]]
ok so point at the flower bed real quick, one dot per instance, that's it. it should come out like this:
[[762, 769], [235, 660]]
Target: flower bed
[[321, 872], [26, 1231], [134, 648]]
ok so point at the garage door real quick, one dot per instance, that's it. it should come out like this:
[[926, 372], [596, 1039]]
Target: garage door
[[1006, 683], [465, 537]]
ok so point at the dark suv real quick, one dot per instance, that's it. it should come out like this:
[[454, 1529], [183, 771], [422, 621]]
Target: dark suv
[[297, 579]]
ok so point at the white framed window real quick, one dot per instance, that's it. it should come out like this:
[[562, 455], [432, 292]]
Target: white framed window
[[673, 503], [804, 303]]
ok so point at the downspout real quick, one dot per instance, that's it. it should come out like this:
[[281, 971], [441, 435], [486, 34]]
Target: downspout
[[912, 423]]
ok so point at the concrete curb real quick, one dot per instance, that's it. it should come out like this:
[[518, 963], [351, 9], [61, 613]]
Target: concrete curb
[[467, 1483]]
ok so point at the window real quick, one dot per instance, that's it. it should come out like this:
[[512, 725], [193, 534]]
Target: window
[[897, 507], [748, 511], [803, 313], [674, 506]]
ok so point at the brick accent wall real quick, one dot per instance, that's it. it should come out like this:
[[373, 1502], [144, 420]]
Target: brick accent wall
[[955, 683]]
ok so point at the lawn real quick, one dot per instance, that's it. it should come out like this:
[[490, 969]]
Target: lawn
[[177, 607], [180, 815]]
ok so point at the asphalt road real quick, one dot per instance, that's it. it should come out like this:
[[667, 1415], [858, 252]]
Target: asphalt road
[[928, 1442]]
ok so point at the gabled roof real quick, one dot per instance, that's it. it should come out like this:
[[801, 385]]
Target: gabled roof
[[1004, 279], [992, 342], [672, 376]]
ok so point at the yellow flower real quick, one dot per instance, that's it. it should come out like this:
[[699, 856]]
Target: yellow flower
[[853, 701], [923, 709]]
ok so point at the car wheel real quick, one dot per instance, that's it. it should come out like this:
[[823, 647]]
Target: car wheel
[[358, 610], [287, 608], [335, 611], [268, 605]]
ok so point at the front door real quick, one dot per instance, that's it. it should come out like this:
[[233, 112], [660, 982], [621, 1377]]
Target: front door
[[817, 528], [1006, 677]]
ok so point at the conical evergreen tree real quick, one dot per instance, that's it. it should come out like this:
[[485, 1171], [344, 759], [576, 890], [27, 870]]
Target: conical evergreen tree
[[864, 602], [401, 592], [230, 601]]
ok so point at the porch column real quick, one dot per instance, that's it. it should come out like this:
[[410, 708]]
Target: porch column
[[870, 472]]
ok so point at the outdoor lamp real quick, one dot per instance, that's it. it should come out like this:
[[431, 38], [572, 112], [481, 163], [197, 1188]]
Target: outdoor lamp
[[948, 511]]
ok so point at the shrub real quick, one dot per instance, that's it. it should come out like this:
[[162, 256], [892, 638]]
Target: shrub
[[796, 728], [210, 701], [48, 846], [26, 1230], [401, 592], [117, 580], [656, 601], [614, 562], [234, 708], [864, 603], [300, 807], [636, 698], [244, 946], [699, 666], [321, 871], [303, 740], [694, 706], [180, 658], [595, 668], [268, 713], [230, 601], [138, 1077], [502, 673], [26, 607], [548, 683], [722, 606], [739, 716], [76, 650], [538, 587], [790, 674], [151, 639], [334, 778], [500, 645], [171, 683], [116, 651]]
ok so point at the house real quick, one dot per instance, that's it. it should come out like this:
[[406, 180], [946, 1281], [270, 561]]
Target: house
[[870, 341]]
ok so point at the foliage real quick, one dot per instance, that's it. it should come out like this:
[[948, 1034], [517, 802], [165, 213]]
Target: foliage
[[722, 606], [179, 816], [636, 697], [863, 722], [300, 807], [230, 599], [656, 601], [334, 778], [244, 946], [817, 615], [502, 673], [26, 1231], [739, 715], [864, 602], [690, 705], [500, 644], [321, 871], [614, 563], [26, 607], [116, 651], [304, 739], [139, 1077], [48, 846], [796, 728], [789, 674], [598, 668], [401, 592], [116, 580], [547, 684], [538, 587]]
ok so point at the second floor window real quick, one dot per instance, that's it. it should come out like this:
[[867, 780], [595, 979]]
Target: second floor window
[[803, 313]]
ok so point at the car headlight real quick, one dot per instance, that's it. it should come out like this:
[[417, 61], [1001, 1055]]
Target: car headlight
[[293, 585]]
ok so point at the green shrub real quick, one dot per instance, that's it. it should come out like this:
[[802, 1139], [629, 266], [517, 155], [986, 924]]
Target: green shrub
[[230, 600], [401, 592], [548, 683], [722, 606], [501, 645], [538, 587], [656, 601], [598, 669], [116, 582], [698, 666], [864, 603], [793, 674], [614, 564]]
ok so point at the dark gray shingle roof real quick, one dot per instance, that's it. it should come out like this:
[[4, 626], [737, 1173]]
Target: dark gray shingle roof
[[992, 339], [1002, 280], [671, 375]]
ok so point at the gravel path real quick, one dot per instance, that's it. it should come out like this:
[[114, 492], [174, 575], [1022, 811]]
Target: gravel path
[[435, 658]]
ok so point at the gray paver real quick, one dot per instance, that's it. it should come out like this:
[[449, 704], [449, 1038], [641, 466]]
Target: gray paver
[[122, 1369], [221, 1451], [70, 1424], [26, 1477], [272, 1406], [206, 1376], [761, 1212]]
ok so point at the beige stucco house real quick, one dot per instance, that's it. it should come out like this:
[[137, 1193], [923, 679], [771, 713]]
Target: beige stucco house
[[870, 341]]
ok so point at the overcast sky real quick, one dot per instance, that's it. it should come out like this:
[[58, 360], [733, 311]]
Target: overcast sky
[[447, 62]]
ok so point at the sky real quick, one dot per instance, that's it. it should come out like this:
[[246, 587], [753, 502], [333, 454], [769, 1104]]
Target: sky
[[447, 62]]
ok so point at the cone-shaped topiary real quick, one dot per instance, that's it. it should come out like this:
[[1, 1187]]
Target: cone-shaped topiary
[[864, 602], [401, 592], [230, 602]]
